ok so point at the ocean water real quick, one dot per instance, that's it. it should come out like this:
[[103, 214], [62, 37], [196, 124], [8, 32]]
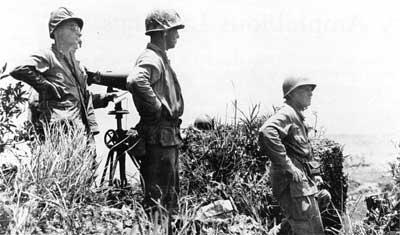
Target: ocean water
[[375, 149], [369, 155]]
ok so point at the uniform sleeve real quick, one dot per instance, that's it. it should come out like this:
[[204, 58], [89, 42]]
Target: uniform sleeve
[[31, 71], [270, 141], [139, 82]]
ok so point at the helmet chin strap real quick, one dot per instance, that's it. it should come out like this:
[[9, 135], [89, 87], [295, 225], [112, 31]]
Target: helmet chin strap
[[165, 41], [164, 36]]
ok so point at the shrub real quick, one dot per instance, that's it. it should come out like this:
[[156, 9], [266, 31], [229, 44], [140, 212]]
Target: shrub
[[12, 97], [330, 154], [226, 163]]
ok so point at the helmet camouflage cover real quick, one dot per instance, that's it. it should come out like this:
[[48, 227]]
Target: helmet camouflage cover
[[162, 20], [60, 15]]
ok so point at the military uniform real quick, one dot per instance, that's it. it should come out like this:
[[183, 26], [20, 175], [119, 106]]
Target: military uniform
[[283, 138], [158, 99], [64, 72], [59, 79], [100, 100]]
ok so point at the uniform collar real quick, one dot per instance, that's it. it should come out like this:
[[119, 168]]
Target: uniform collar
[[58, 52], [68, 56], [298, 112], [158, 50]]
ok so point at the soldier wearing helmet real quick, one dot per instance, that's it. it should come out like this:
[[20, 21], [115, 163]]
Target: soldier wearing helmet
[[283, 138], [58, 78], [204, 122], [158, 99]]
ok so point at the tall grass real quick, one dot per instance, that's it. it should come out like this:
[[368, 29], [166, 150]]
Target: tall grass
[[52, 184], [54, 191]]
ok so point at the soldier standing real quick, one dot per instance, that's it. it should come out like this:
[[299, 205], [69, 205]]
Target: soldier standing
[[58, 78], [158, 99], [283, 138]]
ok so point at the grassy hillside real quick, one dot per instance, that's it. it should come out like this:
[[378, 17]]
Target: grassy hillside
[[225, 187]]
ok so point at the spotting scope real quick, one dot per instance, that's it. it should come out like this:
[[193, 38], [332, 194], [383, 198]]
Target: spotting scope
[[108, 78]]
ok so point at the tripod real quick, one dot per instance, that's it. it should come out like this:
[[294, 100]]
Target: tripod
[[120, 143]]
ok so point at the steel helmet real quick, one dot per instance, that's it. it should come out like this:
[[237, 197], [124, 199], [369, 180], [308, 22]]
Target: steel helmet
[[291, 83], [60, 15], [162, 20], [204, 122]]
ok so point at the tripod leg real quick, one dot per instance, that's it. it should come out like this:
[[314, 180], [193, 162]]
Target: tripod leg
[[137, 165], [135, 162], [112, 169], [109, 159], [122, 172]]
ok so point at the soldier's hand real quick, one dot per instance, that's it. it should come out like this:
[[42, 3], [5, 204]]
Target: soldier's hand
[[93, 77], [110, 96], [297, 174]]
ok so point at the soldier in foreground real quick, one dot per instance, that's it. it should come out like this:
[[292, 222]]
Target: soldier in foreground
[[283, 138], [158, 99], [58, 78]]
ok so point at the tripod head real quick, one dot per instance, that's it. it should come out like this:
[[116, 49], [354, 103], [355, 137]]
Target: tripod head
[[113, 137]]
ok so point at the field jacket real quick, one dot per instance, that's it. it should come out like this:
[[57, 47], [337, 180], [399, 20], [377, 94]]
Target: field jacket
[[157, 96], [70, 80], [283, 138]]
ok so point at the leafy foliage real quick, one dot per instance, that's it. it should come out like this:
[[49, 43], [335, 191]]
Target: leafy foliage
[[2, 70], [331, 157], [11, 98], [224, 163], [227, 163], [330, 154], [384, 210]]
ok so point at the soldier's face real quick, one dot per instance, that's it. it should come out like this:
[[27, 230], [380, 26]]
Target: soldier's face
[[302, 96], [70, 33], [171, 38]]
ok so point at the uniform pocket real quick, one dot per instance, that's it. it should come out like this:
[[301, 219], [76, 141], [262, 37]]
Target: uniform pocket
[[297, 134]]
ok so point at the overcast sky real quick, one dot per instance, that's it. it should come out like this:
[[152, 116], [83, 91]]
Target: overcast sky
[[242, 50]]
